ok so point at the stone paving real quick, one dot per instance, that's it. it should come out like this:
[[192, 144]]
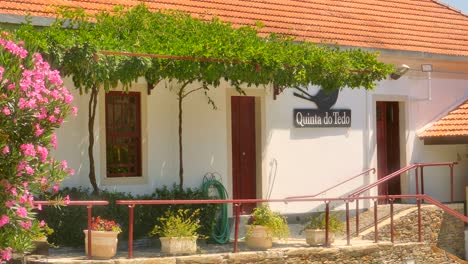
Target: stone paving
[[149, 252]]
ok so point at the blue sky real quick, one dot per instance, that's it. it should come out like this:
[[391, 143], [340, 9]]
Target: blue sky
[[458, 4]]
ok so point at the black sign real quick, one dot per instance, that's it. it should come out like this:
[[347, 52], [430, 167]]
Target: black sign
[[322, 118]]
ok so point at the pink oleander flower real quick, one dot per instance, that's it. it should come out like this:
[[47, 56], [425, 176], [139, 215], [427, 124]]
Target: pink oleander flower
[[74, 110], [39, 130], [22, 212], [5, 150], [39, 207], [29, 170], [42, 223], [4, 220], [6, 254], [67, 200], [26, 224], [53, 141], [28, 150], [55, 188], [52, 119], [13, 191], [43, 152], [6, 111]]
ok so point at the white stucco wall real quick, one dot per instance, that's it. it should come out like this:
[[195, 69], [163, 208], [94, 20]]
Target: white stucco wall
[[294, 161]]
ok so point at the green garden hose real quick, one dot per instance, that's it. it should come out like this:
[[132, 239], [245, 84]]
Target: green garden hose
[[221, 231]]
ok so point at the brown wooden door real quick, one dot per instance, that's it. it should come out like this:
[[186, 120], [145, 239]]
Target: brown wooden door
[[243, 149], [388, 146]]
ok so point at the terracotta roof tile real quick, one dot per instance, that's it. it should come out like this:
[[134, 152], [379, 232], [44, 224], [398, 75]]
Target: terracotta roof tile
[[409, 25], [455, 123]]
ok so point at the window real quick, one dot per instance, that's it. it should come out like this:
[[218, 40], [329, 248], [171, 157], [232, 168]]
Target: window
[[123, 134]]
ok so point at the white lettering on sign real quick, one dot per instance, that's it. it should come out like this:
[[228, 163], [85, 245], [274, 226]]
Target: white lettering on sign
[[307, 119], [321, 118]]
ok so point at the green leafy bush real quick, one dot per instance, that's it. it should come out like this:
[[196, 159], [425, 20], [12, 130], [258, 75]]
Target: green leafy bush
[[319, 222], [68, 222], [180, 223], [264, 216]]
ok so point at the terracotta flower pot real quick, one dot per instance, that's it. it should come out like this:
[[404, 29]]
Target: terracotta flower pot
[[103, 244], [178, 245], [258, 237], [316, 237]]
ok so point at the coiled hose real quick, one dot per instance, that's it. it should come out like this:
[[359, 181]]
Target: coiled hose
[[221, 232]]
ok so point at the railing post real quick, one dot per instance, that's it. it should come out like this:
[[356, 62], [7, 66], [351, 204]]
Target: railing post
[[89, 230], [130, 230], [327, 223], [357, 217], [422, 179], [451, 182], [347, 224], [236, 229], [418, 201], [376, 230], [416, 176], [391, 221]]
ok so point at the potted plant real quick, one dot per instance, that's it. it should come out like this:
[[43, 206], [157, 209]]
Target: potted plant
[[103, 238], [40, 244], [315, 226], [177, 231], [263, 226]]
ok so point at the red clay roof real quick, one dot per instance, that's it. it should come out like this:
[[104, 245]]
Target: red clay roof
[[409, 25], [455, 123]]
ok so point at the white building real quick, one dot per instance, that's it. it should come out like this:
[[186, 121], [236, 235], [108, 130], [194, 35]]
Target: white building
[[275, 158]]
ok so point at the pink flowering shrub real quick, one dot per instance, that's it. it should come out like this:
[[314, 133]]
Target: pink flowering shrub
[[33, 102]]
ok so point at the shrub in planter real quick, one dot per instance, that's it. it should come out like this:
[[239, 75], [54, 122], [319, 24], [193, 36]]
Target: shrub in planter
[[104, 238], [315, 226], [263, 226], [177, 231]]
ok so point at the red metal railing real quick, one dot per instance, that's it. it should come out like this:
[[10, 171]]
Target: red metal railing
[[89, 205], [396, 174], [405, 169], [237, 203], [366, 172]]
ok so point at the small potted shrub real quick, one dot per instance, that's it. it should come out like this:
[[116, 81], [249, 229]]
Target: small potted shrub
[[103, 238], [177, 231], [263, 226], [315, 226]]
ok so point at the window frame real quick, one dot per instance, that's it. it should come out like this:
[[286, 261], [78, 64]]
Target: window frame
[[115, 134]]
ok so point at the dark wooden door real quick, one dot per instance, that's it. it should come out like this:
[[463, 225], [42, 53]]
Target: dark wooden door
[[243, 149], [388, 146]]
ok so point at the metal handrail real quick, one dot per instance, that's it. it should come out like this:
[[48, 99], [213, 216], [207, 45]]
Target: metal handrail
[[89, 205], [382, 180], [407, 168], [237, 203], [334, 186]]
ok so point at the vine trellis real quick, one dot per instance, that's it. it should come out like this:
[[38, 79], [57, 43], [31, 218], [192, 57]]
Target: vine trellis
[[195, 51]]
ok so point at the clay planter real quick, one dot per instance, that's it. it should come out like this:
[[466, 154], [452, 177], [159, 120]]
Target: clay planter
[[258, 237], [316, 237], [103, 244], [178, 245], [41, 247]]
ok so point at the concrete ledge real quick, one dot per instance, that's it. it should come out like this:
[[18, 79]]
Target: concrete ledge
[[365, 252]]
